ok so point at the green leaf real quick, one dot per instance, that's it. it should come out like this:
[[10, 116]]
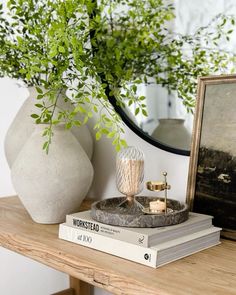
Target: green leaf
[[45, 132], [35, 116], [55, 122], [22, 71], [39, 90], [123, 143], [68, 125], [223, 23], [28, 76], [85, 120], [111, 134], [144, 112], [137, 111], [115, 141], [38, 105], [45, 145], [142, 98], [77, 123], [36, 69], [130, 102], [61, 49], [104, 131], [80, 109], [90, 114], [134, 87], [53, 52], [19, 39], [98, 135], [118, 147]]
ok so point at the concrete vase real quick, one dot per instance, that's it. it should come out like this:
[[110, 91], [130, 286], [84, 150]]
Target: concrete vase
[[52, 185], [23, 126], [173, 133]]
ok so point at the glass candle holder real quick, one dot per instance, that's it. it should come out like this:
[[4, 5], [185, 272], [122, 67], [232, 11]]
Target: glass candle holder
[[130, 172]]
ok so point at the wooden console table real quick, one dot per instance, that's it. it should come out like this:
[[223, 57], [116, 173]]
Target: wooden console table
[[212, 271]]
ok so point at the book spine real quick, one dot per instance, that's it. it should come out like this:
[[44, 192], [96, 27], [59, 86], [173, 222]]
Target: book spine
[[174, 234], [181, 252], [145, 256], [109, 231]]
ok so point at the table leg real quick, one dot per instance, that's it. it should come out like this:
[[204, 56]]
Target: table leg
[[80, 287], [69, 291]]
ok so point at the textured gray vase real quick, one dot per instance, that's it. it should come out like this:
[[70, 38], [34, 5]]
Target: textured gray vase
[[172, 132], [51, 186], [23, 125]]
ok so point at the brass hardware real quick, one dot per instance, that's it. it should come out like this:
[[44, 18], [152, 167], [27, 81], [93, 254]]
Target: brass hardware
[[158, 186]]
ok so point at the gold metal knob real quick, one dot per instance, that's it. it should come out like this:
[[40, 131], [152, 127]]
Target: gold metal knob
[[157, 186]]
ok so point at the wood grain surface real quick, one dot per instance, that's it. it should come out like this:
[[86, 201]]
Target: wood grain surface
[[212, 271]]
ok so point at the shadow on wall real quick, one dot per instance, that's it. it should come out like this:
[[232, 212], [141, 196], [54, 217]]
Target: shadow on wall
[[104, 163]]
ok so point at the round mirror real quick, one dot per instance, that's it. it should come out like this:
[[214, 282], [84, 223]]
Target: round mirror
[[168, 124]]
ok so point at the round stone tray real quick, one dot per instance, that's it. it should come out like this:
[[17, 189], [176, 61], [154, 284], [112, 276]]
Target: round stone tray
[[108, 211]]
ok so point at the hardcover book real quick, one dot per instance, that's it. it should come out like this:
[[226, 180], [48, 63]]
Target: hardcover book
[[145, 237], [154, 256]]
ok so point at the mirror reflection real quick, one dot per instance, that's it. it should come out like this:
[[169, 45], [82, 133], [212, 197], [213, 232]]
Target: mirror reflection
[[169, 121]]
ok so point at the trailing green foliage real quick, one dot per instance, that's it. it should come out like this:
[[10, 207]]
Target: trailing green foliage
[[96, 49]]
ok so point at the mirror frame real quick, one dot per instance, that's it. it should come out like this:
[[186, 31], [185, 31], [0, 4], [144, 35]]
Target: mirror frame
[[138, 131]]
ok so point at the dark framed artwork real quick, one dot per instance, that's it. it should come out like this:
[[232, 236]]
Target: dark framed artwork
[[212, 171]]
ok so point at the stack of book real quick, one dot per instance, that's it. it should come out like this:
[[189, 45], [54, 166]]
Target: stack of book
[[149, 246]]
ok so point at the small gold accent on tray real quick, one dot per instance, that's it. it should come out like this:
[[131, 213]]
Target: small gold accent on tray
[[158, 186], [149, 211]]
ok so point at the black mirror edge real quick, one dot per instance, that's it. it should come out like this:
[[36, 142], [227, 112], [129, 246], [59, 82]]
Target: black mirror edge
[[144, 135]]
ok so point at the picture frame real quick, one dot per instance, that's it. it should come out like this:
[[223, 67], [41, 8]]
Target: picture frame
[[211, 187]]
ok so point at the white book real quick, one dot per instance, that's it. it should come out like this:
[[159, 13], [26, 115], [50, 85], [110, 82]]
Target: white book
[[154, 256], [145, 237]]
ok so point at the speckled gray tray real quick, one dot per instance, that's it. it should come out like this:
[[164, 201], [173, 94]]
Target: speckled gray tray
[[108, 212]]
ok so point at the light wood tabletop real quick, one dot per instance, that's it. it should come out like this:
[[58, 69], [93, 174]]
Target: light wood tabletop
[[212, 271]]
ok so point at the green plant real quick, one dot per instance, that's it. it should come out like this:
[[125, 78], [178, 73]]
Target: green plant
[[47, 44], [101, 49], [136, 44]]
